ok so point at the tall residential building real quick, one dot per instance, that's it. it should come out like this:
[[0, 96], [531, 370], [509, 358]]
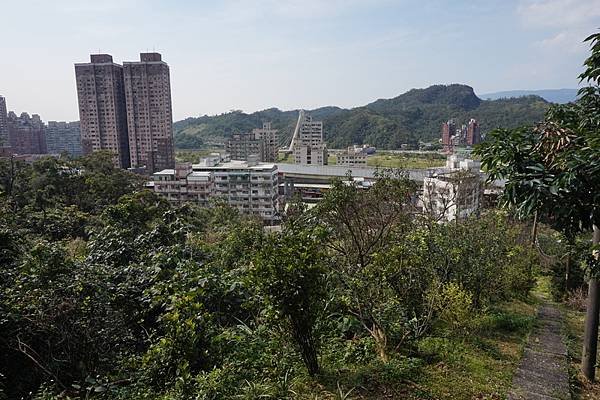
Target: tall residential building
[[149, 113], [307, 143], [270, 137], [26, 134], [243, 145], [473, 133], [448, 130], [63, 137], [102, 110], [3, 123]]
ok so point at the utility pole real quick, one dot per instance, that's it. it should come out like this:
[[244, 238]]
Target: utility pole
[[590, 339]]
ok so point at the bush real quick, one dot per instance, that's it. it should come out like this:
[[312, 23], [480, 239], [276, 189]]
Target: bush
[[454, 307]]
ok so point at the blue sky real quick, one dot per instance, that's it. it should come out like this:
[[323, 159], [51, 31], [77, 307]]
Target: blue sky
[[291, 54]]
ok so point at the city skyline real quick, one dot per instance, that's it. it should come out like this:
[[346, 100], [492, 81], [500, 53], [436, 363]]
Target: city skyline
[[242, 55]]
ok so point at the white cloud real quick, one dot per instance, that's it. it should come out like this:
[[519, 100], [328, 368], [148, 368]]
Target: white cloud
[[564, 23], [559, 13]]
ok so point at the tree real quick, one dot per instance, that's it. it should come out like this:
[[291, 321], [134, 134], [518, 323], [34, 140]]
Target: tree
[[290, 272], [360, 224], [554, 168]]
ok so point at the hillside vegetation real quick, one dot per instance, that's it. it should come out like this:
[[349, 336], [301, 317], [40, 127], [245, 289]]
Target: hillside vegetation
[[109, 292], [414, 116]]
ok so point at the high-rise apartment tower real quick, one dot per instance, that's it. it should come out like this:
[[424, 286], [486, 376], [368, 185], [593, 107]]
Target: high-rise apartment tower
[[149, 113], [473, 133], [448, 130], [102, 110], [3, 123]]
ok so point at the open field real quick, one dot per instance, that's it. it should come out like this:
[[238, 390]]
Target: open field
[[392, 160], [406, 161]]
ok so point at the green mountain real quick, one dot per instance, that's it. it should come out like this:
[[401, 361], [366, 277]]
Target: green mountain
[[414, 116]]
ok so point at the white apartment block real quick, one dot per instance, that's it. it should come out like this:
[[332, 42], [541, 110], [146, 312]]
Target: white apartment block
[[182, 184], [353, 156], [248, 186], [307, 143], [454, 192]]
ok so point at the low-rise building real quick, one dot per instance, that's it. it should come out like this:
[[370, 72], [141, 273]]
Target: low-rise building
[[454, 192], [249, 186], [353, 156], [182, 184]]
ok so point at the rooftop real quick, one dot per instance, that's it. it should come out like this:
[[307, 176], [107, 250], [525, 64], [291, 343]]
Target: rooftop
[[165, 172], [235, 164]]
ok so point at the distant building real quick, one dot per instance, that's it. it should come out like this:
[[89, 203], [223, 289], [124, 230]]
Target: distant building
[[454, 192], [473, 133], [307, 143], [3, 123], [243, 145], [102, 109], [249, 186], [270, 138], [448, 130], [149, 113], [353, 156], [63, 137], [181, 184], [26, 135]]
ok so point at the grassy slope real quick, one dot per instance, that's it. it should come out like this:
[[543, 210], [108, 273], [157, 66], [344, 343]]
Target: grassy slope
[[477, 365]]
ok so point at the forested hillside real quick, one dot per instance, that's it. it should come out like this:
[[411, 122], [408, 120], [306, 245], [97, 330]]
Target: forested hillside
[[414, 116]]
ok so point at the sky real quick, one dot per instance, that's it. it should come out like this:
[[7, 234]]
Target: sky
[[250, 55]]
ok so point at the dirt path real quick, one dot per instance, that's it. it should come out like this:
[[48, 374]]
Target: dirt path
[[543, 373]]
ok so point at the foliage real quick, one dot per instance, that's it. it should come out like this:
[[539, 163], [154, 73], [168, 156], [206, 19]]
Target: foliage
[[554, 167], [290, 273], [113, 293]]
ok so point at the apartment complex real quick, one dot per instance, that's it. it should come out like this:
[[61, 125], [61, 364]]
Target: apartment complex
[[270, 138], [468, 135], [307, 143], [249, 186], [149, 113], [63, 137], [3, 123], [26, 134], [127, 110], [243, 145], [102, 110]]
